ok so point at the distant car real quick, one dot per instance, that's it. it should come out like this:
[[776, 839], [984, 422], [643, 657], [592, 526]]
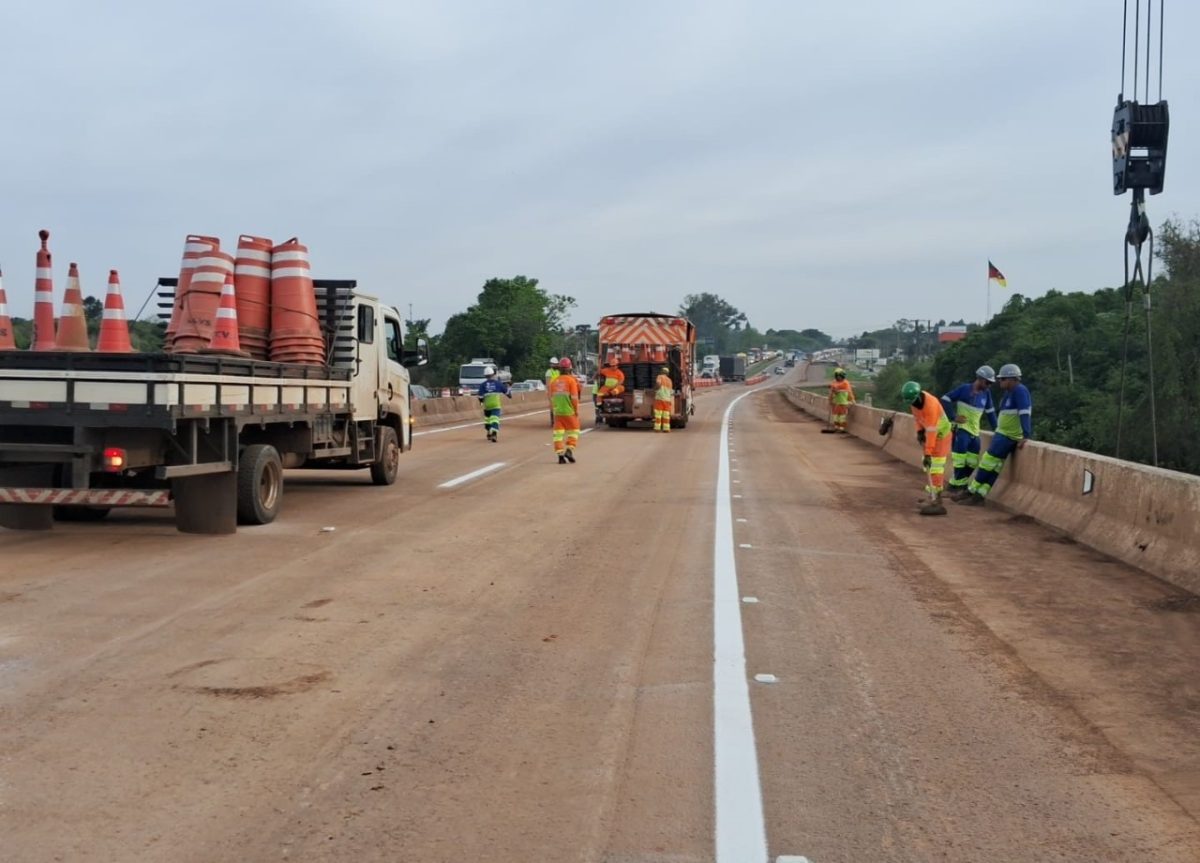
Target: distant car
[[708, 373], [524, 387], [778, 370], [534, 384], [420, 392]]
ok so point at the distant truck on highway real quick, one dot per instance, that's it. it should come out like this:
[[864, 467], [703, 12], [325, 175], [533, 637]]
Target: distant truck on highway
[[81, 433], [471, 375], [733, 368], [641, 344]]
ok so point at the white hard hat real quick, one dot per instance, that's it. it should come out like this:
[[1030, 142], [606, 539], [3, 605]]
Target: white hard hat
[[1010, 370], [554, 361], [489, 370], [987, 373]]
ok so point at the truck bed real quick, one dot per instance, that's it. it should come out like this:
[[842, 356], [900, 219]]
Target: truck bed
[[155, 390]]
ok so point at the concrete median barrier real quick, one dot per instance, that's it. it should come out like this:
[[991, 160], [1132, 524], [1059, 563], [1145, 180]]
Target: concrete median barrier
[[462, 409], [1143, 516]]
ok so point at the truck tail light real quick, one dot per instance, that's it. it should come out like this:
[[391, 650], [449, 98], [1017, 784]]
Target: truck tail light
[[115, 459]]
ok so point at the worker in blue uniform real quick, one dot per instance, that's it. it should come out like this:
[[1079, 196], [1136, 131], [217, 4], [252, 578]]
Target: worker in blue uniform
[[490, 393], [1014, 429], [968, 405]]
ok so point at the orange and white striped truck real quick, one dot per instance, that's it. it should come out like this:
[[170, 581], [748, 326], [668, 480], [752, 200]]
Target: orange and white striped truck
[[641, 344]]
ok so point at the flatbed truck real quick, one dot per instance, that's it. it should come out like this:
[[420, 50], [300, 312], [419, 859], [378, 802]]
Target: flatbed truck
[[210, 434]]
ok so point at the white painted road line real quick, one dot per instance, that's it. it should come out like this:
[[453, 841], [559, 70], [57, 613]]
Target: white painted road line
[[741, 833], [467, 477]]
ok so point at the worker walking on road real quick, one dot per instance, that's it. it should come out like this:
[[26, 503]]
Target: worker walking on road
[[969, 403], [664, 400], [490, 392], [934, 433], [597, 382], [841, 396], [1013, 430], [549, 376], [614, 380], [564, 402]]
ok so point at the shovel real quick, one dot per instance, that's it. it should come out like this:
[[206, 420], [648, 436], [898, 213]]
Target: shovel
[[934, 505]]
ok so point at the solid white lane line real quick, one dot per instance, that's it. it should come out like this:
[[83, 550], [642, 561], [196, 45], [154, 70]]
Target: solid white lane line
[[441, 429], [741, 833], [467, 477]]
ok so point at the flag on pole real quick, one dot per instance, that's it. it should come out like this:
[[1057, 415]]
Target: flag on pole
[[993, 273]]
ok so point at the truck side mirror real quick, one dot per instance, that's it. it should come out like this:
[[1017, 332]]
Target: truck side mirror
[[419, 357]]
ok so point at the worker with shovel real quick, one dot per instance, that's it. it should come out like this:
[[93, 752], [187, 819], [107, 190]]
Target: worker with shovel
[[935, 434], [841, 396]]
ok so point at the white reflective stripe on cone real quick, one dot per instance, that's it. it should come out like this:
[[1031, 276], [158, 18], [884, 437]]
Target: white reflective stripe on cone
[[244, 253], [252, 270], [290, 273], [44, 273], [109, 314], [290, 256], [43, 297]]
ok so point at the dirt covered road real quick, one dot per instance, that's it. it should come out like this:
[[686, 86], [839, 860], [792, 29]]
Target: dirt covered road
[[518, 666]]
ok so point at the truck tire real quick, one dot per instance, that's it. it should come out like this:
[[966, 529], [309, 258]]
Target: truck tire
[[680, 423], [259, 484], [81, 513], [384, 470]]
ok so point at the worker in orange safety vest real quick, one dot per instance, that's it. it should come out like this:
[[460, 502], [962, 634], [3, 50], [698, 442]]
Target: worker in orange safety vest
[[564, 402], [664, 400], [935, 434], [841, 396], [614, 381]]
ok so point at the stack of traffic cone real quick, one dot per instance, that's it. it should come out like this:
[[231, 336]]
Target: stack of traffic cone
[[252, 286], [72, 325], [225, 330], [195, 247], [295, 329], [114, 329], [198, 311], [7, 342], [43, 299]]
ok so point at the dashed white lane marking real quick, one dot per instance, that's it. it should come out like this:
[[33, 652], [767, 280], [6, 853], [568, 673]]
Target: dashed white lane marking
[[467, 477], [441, 429], [741, 833]]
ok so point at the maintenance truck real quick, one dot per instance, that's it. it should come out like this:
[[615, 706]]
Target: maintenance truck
[[641, 344], [81, 433]]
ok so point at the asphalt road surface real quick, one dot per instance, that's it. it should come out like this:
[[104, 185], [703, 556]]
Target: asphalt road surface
[[505, 659]]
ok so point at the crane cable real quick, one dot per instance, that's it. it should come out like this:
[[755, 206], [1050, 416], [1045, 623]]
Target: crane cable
[[1139, 231]]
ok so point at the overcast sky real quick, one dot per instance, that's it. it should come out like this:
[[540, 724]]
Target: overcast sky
[[830, 165]]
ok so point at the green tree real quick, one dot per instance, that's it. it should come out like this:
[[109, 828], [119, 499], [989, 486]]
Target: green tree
[[716, 319]]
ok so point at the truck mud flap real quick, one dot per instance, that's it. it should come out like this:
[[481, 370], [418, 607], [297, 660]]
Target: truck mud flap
[[206, 504]]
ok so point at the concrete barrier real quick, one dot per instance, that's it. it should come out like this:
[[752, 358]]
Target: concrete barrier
[[459, 409], [1143, 516]]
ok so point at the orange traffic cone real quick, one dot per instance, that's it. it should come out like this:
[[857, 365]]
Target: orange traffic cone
[[43, 299], [199, 310], [72, 325], [114, 329], [7, 342], [296, 335], [252, 288], [195, 247], [225, 329]]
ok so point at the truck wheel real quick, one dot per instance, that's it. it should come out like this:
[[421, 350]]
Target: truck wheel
[[680, 423], [384, 470], [80, 513], [259, 484]]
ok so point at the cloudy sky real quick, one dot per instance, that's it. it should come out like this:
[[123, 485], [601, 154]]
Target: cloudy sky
[[837, 165]]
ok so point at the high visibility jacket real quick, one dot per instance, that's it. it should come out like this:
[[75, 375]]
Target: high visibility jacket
[[564, 396], [972, 405], [1016, 414], [931, 417], [841, 393], [550, 375], [665, 388], [612, 376], [490, 392]]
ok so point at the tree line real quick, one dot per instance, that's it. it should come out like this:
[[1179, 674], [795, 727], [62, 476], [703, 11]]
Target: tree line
[[1069, 348]]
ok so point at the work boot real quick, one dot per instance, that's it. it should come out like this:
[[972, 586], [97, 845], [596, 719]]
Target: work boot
[[971, 499], [933, 507], [562, 459], [570, 454], [958, 494]]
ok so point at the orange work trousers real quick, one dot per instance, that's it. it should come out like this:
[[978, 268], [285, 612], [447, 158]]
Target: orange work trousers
[[566, 433]]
